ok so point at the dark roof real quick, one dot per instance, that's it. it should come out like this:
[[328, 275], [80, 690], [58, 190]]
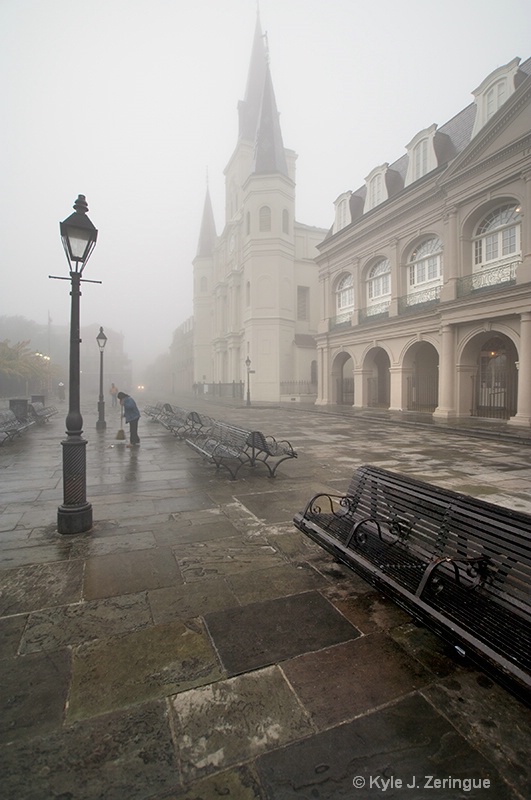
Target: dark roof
[[304, 340], [458, 130], [269, 154], [207, 234], [249, 107]]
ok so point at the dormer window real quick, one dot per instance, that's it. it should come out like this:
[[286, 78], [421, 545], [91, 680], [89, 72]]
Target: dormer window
[[495, 97], [376, 188], [420, 158], [342, 218], [493, 92], [421, 152]]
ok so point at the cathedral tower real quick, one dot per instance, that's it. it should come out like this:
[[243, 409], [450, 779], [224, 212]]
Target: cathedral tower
[[259, 278]]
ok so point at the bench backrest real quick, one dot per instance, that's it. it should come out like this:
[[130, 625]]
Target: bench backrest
[[8, 418], [441, 523], [179, 415], [228, 434], [198, 421], [257, 441]]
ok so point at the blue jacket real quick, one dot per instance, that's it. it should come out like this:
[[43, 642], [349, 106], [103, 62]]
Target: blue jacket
[[131, 411]]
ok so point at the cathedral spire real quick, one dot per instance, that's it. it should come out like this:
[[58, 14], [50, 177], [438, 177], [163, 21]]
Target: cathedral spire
[[249, 107], [207, 234], [269, 154]]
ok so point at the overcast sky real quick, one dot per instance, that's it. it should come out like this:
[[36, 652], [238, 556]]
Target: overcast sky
[[130, 102]]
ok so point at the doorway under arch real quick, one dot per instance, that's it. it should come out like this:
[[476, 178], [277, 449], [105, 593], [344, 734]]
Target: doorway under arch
[[343, 380], [495, 383], [379, 381], [422, 377]]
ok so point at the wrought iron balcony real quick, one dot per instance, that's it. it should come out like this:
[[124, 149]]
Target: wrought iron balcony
[[419, 301], [503, 274], [341, 321], [375, 312]]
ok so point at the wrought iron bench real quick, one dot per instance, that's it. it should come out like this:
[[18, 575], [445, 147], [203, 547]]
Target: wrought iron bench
[[267, 450], [223, 445], [154, 412], [42, 413], [184, 423], [460, 565], [10, 426], [252, 447]]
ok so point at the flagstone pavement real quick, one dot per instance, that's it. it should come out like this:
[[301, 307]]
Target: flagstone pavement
[[195, 645]]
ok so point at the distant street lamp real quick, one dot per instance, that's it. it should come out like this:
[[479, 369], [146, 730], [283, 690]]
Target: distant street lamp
[[79, 236], [248, 365], [101, 424]]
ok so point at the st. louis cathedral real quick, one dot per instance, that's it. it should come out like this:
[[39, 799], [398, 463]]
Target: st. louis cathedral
[[255, 285]]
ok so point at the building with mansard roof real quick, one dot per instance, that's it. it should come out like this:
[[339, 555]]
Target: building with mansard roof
[[256, 307], [425, 275]]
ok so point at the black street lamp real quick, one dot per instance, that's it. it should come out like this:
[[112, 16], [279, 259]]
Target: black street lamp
[[78, 235], [248, 365], [101, 424]]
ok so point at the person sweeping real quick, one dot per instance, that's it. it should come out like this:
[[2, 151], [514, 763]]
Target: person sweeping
[[132, 415]]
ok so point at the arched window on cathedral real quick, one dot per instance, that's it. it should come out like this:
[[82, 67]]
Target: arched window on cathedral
[[285, 221], [248, 223], [204, 284], [248, 294], [264, 219]]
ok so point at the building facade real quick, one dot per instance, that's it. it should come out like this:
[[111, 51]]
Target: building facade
[[256, 304], [182, 358], [425, 276]]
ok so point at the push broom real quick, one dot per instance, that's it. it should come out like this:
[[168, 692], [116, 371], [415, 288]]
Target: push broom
[[121, 433]]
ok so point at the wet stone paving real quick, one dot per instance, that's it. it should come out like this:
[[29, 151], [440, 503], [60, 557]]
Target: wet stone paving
[[194, 645]]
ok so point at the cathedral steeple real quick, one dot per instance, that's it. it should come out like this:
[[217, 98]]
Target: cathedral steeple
[[249, 107], [269, 154], [207, 234]]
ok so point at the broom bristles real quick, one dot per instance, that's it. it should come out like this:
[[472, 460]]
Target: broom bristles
[[121, 432]]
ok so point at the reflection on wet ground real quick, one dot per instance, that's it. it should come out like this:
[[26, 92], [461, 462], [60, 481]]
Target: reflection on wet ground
[[194, 644]]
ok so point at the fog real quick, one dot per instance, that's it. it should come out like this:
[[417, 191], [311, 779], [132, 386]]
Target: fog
[[132, 102]]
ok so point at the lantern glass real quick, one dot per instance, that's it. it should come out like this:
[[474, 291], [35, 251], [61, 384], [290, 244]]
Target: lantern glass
[[101, 340]]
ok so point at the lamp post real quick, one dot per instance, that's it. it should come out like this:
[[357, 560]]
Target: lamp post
[[101, 424], [78, 235], [248, 365]]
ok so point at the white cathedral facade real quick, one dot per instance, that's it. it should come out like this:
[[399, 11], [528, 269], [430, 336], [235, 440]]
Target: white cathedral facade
[[255, 285]]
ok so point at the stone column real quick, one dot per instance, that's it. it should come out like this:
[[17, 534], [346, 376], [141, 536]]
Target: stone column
[[325, 297], [446, 407], [523, 274], [450, 255], [396, 286], [323, 376], [361, 387], [523, 412], [397, 388]]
